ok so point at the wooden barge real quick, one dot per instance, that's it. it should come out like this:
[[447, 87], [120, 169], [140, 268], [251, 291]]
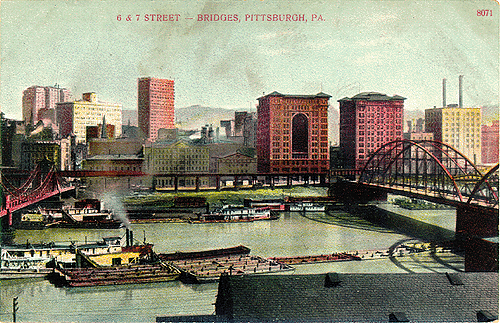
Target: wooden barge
[[84, 277], [297, 260], [208, 266], [178, 255]]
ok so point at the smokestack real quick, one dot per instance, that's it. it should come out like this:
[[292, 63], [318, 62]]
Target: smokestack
[[444, 93], [460, 80]]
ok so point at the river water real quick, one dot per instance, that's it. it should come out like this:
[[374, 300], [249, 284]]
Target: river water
[[292, 234]]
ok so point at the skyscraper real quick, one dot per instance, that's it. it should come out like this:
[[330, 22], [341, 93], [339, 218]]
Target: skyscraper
[[292, 133], [39, 102], [367, 121], [458, 127], [155, 102]]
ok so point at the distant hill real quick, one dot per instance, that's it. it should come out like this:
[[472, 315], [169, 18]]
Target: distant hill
[[197, 116]]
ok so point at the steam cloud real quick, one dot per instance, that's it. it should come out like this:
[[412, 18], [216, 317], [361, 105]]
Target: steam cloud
[[114, 203]]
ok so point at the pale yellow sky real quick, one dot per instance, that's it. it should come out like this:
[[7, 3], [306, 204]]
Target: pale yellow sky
[[393, 47]]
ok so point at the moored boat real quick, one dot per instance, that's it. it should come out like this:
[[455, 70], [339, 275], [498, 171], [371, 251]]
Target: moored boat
[[207, 266], [297, 260], [85, 214], [307, 207], [28, 261], [118, 275], [236, 213], [184, 255]]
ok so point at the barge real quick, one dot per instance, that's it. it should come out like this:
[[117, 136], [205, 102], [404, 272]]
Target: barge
[[133, 274], [181, 255], [208, 266], [297, 260]]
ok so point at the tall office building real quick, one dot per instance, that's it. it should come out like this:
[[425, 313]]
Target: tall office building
[[367, 121], [155, 102], [489, 143], [292, 133], [457, 126], [39, 102], [74, 117]]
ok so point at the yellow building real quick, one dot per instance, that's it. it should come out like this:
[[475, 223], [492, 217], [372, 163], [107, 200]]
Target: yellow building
[[75, 117], [176, 157], [236, 163], [458, 127]]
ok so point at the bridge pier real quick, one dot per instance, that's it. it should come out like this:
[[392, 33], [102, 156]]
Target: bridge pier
[[6, 232], [476, 221], [477, 234]]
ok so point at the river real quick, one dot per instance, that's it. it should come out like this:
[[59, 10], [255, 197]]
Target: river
[[292, 234]]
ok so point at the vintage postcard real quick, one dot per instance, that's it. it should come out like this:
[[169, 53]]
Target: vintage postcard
[[249, 160]]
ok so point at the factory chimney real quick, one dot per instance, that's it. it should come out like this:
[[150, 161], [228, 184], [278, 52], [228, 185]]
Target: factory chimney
[[444, 93], [460, 80]]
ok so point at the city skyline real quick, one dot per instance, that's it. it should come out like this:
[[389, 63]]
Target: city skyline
[[355, 46]]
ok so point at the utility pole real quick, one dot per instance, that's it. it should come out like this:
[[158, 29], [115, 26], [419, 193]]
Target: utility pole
[[15, 307]]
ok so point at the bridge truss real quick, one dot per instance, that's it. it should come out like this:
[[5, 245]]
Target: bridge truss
[[431, 168], [41, 184]]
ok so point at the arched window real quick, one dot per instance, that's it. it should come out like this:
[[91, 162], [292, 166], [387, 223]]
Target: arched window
[[300, 136]]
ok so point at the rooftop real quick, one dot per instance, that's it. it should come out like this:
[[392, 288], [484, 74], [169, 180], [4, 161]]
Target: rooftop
[[332, 297], [373, 96], [305, 96]]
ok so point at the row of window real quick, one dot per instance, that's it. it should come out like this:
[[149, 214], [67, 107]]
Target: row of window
[[181, 169], [314, 156]]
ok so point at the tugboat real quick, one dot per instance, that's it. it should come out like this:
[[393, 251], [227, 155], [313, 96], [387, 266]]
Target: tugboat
[[236, 213], [129, 264]]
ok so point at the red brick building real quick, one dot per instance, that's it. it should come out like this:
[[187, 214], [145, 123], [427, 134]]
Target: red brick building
[[292, 133], [367, 121], [489, 143], [155, 101]]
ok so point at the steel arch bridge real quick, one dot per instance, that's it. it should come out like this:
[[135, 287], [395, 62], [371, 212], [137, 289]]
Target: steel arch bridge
[[432, 170]]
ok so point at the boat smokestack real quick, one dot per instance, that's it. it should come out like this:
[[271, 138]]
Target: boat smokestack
[[444, 93], [128, 238], [460, 81]]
